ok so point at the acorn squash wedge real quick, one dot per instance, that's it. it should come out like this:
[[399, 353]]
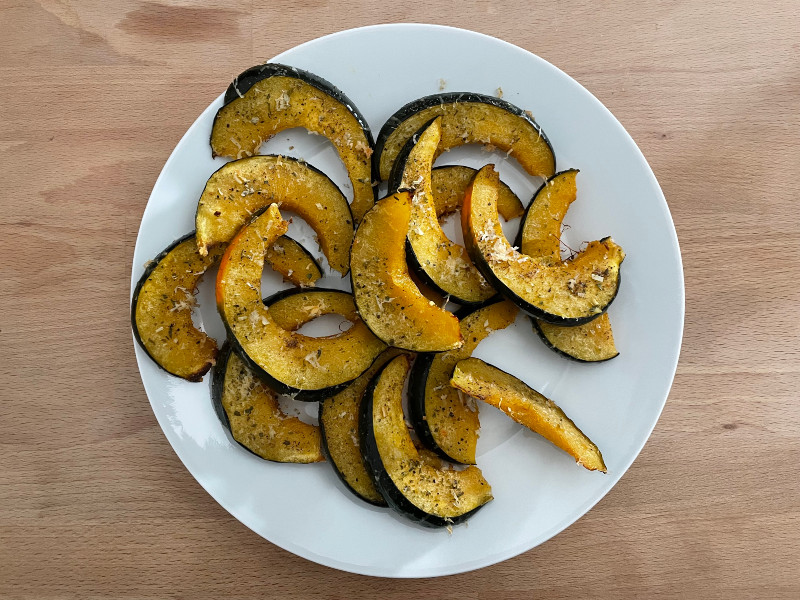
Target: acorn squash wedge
[[338, 421], [249, 410], [445, 420], [590, 342], [161, 310], [468, 118], [267, 99], [571, 292], [540, 237], [297, 265], [241, 188], [411, 485], [441, 263], [387, 299], [291, 363], [527, 407], [449, 184]]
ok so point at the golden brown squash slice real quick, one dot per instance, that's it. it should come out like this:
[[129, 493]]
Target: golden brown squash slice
[[449, 184], [445, 420], [250, 411], [270, 98], [527, 407], [386, 297], [338, 420], [439, 262], [241, 188], [295, 263], [566, 293], [412, 485], [161, 312], [308, 367], [468, 118], [540, 237]]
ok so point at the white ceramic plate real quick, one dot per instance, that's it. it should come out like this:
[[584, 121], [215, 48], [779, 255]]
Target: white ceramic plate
[[538, 489]]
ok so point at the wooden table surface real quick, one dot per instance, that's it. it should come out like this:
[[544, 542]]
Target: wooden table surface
[[93, 97]]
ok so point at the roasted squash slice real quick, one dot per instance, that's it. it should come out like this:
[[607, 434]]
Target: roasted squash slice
[[161, 311], [540, 237], [411, 485], [527, 407], [240, 188], [540, 231], [290, 363], [267, 99], [293, 261], [566, 293], [386, 297], [590, 342], [438, 261], [250, 411], [468, 118], [449, 184], [445, 420], [338, 421]]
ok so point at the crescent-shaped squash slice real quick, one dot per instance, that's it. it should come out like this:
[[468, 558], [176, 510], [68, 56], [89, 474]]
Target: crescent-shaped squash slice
[[566, 293], [338, 420], [241, 188], [250, 411], [267, 99], [161, 311], [449, 184], [410, 484], [527, 407], [540, 237], [293, 261], [439, 262], [386, 297], [444, 419], [468, 118], [309, 368]]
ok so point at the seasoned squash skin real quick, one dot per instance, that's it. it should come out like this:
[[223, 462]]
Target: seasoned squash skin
[[308, 368], [387, 299], [527, 407], [338, 420], [445, 420], [412, 484], [250, 411], [590, 342], [161, 312], [468, 118], [241, 188], [267, 99], [566, 293], [440, 262], [449, 184]]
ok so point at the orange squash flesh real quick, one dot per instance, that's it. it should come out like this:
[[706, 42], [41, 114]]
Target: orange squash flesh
[[387, 299]]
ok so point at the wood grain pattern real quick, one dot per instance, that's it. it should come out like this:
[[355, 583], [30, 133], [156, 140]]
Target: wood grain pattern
[[93, 97]]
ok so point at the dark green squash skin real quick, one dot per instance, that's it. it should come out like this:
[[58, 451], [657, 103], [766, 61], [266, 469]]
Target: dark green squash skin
[[418, 381], [558, 350], [218, 386], [248, 78], [151, 265], [518, 239], [420, 104], [395, 180], [380, 477]]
